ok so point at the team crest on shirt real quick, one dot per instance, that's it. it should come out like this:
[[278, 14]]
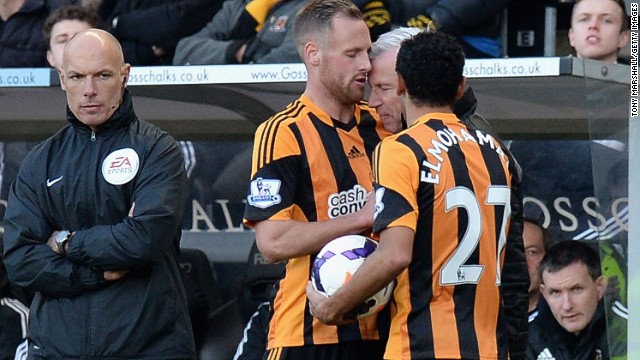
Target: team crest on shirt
[[264, 193], [121, 166], [379, 204], [278, 23]]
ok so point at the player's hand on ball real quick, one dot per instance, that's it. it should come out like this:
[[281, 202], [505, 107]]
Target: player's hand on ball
[[318, 306]]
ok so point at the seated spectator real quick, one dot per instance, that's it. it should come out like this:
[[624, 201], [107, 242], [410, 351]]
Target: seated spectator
[[62, 24], [599, 29], [149, 30], [244, 32], [571, 321], [21, 41], [476, 23], [536, 242]]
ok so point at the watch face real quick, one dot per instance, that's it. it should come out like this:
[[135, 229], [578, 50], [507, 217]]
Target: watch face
[[62, 235]]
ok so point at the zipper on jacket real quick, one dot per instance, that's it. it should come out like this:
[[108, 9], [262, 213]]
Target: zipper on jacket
[[93, 135]]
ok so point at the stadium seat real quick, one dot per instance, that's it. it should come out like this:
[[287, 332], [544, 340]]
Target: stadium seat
[[201, 287], [223, 332], [259, 281]]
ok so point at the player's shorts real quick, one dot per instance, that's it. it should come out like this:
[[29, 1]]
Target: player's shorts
[[353, 350]]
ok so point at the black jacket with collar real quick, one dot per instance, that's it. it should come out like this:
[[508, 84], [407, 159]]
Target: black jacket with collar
[[549, 340], [86, 181]]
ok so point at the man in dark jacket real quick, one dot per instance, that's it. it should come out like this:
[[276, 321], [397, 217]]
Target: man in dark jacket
[[571, 323], [93, 222], [243, 32], [475, 23], [21, 40], [149, 30]]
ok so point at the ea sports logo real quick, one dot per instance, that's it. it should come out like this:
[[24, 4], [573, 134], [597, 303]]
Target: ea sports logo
[[120, 166]]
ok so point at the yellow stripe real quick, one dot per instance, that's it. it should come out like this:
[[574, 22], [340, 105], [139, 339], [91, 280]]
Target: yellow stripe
[[258, 9]]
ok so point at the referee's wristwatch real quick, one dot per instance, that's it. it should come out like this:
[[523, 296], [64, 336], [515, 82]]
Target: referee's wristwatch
[[62, 239]]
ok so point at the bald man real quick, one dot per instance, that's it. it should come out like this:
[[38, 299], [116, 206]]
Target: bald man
[[93, 222]]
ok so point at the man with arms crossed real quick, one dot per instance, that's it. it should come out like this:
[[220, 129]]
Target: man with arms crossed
[[442, 211], [93, 222]]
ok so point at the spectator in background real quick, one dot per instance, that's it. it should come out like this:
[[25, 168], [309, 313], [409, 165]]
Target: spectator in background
[[21, 40], [536, 242], [244, 32], [567, 170], [476, 23], [62, 24], [149, 30], [105, 273], [571, 321], [599, 29]]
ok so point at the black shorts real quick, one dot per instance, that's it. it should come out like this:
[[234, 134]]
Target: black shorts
[[353, 350]]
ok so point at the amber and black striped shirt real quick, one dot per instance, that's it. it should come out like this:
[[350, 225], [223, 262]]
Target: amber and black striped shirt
[[308, 167], [451, 186]]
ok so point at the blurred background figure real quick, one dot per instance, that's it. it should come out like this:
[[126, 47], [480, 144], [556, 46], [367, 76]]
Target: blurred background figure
[[14, 315], [475, 23], [62, 24], [536, 242], [21, 41], [244, 32], [599, 29], [149, 30]]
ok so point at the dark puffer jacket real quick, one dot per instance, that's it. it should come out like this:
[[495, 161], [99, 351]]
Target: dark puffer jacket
[[549, 340], [21, 40], [86, 181]]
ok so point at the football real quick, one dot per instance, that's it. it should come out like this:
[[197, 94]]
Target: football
[[336, 263]]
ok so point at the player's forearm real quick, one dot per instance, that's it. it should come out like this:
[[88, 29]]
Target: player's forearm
[[286, 239]]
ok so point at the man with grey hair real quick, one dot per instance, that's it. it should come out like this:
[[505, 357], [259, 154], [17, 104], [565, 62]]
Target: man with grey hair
[[383, 78], [383, 81]]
